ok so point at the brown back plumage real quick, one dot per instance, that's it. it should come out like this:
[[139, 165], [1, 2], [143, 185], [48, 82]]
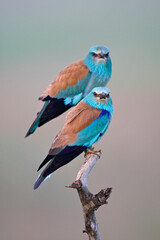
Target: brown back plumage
[[69, 76], [77, 119]]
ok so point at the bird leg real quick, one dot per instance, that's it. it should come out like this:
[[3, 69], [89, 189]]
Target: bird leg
[[92, 151]]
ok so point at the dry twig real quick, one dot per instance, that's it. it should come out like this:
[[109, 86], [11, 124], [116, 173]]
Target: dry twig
[[89, 201]]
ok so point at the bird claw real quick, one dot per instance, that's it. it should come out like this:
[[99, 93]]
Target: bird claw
[[92, 151]]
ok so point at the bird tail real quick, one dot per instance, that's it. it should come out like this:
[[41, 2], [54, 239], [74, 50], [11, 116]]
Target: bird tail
[[51, 109], [36, 122], [61, 159], [45, 173], [38, 181]]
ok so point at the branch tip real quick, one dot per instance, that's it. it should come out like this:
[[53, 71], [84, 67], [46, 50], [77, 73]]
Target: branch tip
[[77, 184]]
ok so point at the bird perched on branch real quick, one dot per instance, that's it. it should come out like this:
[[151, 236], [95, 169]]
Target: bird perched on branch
[[85, 124], [73, 83]]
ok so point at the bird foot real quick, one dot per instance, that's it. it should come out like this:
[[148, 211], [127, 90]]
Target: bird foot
[[92, 151]]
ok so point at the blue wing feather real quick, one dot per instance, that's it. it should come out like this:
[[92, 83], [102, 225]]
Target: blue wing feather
[[91, 134]]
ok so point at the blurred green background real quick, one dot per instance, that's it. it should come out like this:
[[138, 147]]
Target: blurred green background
[[37, 40]]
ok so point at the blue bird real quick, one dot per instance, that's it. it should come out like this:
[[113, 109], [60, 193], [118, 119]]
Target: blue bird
[[73, 83], [85, 124]]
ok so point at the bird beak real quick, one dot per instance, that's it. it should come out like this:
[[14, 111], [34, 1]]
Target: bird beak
[[101, 55], [102, 95]]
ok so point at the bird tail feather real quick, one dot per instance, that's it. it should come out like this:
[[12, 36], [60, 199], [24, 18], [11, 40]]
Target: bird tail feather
[[36, 122], [46, 173], [66, 155]]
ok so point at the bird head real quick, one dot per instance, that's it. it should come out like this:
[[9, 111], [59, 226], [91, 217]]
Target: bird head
[[98, 55], [100, 98]]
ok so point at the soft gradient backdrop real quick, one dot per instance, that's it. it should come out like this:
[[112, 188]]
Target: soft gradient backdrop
[[37, 40]]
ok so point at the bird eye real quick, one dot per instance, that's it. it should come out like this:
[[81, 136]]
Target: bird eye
[[107, 95], [106, 55], [95, 94], [94, 54]]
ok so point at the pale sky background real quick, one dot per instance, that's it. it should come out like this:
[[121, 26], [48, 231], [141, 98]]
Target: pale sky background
[[37, 40]]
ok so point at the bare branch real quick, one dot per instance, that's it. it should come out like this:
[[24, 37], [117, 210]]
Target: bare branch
[[89, 201]]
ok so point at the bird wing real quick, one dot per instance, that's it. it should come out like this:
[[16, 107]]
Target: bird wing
[[68, 77], [77, 119]]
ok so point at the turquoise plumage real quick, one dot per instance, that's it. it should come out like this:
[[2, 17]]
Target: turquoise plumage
[[74, 83], [85, 124]]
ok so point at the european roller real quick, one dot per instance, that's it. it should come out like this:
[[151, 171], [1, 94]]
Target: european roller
[[73, 83], [85, 124]]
